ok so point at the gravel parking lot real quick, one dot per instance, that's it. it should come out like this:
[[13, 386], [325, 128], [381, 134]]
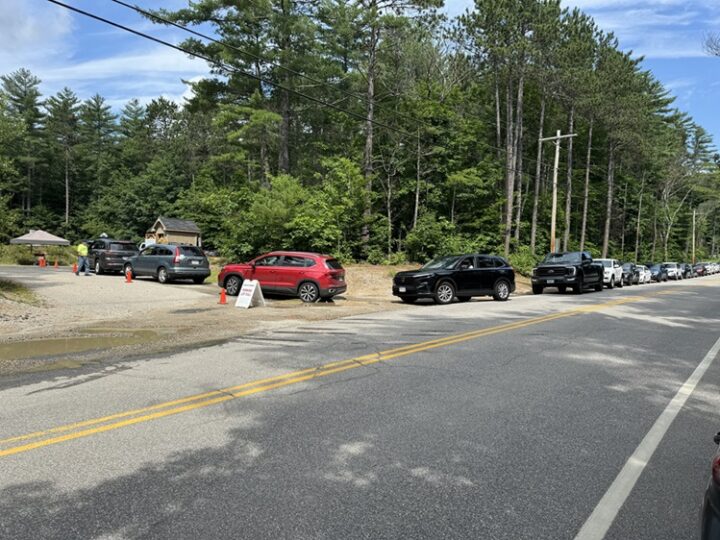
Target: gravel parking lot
[[85, 319]]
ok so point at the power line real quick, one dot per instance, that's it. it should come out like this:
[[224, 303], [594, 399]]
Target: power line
[[164, 20], [229, 68]]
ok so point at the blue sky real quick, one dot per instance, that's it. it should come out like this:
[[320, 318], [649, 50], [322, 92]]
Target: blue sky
[[65, 49]]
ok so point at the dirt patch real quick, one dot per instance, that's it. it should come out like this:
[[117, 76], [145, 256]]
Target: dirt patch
[[101, 318]]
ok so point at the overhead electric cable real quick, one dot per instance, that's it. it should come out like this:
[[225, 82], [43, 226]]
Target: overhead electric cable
[[228, 68], [164, 20]]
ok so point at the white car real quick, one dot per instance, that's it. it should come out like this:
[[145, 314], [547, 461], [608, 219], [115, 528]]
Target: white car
[[673, 270], [645, 274], [612, 272]]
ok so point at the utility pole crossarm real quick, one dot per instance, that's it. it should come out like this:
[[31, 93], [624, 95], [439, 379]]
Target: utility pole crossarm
[[558, 137]]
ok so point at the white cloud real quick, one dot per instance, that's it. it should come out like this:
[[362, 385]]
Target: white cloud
[[31, 31]]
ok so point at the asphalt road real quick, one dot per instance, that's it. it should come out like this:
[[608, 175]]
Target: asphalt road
[[481, 420]]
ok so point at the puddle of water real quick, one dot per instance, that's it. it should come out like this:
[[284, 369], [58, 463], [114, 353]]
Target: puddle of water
[[61, 346]]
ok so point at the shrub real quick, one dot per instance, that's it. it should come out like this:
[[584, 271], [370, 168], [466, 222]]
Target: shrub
[[523, 260]]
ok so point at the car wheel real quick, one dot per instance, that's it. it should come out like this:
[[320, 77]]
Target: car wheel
[[162, 275], [599, 287], [611, 285], [562, 289], [408, 300], [128, 268], [98, 268], [464, 298], [308, 292], [232, 285], [198, 280], [502, 291], [620, 284], [577, 289], [444, 293], [537, 289]]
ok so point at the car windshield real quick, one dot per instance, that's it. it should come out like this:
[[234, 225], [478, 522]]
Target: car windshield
[[443, 262], [123, 246], [627, 266], [562, 258], [655, 268], [607, 263]]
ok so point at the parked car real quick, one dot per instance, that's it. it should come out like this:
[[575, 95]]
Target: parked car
[[710, 514], [573, 269], [631, 274], [309, 276], [699, 269], [457, 276], [687, 271], [673, 270], [645, 274], [658, 272], [167, 262], [107, 255], [612, 272]]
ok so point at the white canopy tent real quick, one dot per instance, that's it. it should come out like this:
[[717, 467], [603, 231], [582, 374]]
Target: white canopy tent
[[40, 238]]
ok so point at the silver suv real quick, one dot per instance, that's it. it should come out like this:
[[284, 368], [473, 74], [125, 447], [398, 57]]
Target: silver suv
[[167, 262]]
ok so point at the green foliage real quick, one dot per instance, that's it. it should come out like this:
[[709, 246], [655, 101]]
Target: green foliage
[[523, 260], [259, 168]]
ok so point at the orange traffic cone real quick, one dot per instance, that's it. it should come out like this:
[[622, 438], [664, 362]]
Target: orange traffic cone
[[223, 297], [128, 276], [56, 264], [75, 268]]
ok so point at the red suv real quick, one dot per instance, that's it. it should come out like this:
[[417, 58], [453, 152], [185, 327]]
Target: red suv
[[310, 276]]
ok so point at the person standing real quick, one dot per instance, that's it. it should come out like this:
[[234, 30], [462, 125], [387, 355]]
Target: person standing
[[82, 251]]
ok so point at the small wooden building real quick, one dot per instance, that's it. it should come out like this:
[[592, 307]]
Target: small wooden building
[[182, 231]]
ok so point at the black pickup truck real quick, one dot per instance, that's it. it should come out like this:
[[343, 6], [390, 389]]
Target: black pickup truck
[[573, 269]]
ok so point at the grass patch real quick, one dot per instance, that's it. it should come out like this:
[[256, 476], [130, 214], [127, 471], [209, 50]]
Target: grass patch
[[9, 290]]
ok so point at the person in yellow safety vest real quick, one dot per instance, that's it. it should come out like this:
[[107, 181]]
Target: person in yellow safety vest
[[82, 251]]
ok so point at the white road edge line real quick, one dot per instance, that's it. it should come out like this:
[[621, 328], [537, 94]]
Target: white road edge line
[[599, 522]]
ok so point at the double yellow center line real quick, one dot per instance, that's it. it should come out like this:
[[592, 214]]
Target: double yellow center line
[[77, 430]]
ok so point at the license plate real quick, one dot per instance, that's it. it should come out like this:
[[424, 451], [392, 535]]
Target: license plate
[[403, 289], [551, 281], [196, 263]]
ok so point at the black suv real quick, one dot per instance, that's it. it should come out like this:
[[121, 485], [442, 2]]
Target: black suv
[[166, 262], [573, 269], [457, 276], [108, 255], [631, 274]]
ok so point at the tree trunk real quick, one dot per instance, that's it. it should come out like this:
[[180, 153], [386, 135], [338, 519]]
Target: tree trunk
[[452, 205], [568, 194], [389, 215], [498, 118], [538, 172], [67, 187], [417, 183], [622, 221], [654, 242], [511, 139], [586, 195], [284, 150], [519, 173], [608, 211], [368, 154], [639, 214]]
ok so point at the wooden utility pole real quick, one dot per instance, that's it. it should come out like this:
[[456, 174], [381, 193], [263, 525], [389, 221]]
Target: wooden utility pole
[[557, 138]]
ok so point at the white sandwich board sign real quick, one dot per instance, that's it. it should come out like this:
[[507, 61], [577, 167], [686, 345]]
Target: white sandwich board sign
[[250, 295]]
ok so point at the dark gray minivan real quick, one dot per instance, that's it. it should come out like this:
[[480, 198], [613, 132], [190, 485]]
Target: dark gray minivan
[[167, 262]]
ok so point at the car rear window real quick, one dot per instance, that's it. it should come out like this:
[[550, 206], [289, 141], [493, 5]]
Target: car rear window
[[334, 264], [191, 251], [123, 246]]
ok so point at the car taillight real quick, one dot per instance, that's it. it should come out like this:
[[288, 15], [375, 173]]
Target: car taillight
[[178, 257], [716, 470]]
